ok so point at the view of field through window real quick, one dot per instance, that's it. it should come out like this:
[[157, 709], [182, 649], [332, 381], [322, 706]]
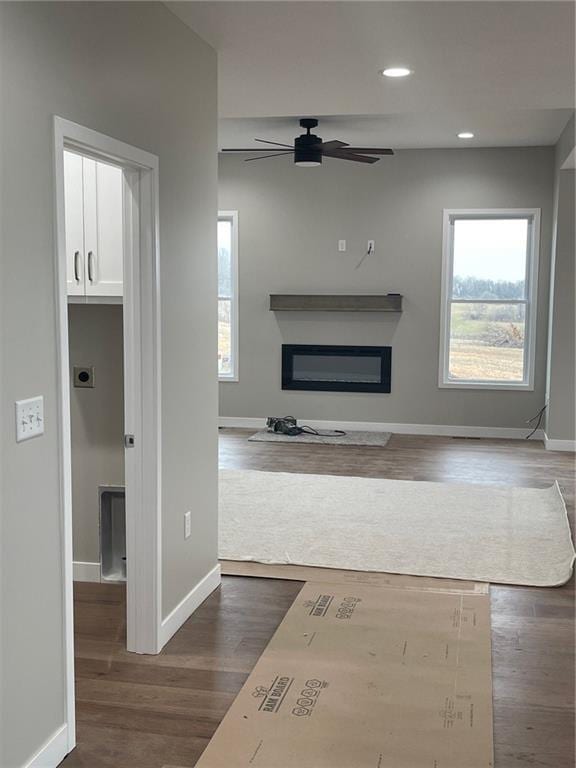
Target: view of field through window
[[487, 301], [487, 312], [225, 363]]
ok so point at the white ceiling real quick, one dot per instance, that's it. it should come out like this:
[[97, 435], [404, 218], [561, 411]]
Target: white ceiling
[[504, 70], [526, 128]]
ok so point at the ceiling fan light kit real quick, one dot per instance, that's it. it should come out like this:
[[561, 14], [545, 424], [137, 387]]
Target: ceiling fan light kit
[[309, 149]]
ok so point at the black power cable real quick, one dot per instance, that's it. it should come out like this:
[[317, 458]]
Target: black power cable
[[369, 252], [538, 418], [307, 430]]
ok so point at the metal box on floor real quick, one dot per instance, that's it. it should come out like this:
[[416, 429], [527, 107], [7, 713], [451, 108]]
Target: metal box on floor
[[112, 533]]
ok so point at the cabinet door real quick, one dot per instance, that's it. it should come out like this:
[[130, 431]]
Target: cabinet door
[[74, 222], [103, 228]]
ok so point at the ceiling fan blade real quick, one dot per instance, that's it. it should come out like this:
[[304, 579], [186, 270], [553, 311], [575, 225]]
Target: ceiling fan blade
[[342, 154], [370, 150], [333, 144], [265, 141], [263, 157], [259, 149]]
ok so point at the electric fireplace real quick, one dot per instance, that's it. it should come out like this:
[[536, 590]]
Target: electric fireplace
[[335, 368]]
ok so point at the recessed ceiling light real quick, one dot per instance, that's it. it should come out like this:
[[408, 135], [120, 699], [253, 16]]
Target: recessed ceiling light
[[396, 72], [465, 135]]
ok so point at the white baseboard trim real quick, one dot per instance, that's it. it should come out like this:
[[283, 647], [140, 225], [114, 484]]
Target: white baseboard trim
[[559, 445], [186, 607], [86, 571], [52, 752], [441, 430]]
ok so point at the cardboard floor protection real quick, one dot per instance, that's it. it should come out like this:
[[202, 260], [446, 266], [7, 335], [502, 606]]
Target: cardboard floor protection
[[341, 576], [361, 676]]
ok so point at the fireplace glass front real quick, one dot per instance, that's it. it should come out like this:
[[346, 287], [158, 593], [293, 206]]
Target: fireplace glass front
[[336, 368]]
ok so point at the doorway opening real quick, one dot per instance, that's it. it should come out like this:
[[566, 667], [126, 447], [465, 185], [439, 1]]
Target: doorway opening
[[94, 224], [106, 211]]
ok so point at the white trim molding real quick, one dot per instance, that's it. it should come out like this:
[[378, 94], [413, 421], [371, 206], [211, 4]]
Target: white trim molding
[[532, 216], [189, 604], [86, 571], [52, 752], [440, 430], [559, 445]]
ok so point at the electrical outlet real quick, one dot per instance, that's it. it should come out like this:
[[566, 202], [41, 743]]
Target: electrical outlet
[[342, 246], [187, 524], [29, 418]]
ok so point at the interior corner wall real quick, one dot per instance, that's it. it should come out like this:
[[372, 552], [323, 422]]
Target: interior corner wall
[[290, 221], [96, 336], [561, 364], [561, 416], [135, 72]]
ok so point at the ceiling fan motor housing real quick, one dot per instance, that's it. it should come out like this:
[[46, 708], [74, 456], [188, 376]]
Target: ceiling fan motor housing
[[308, 147]]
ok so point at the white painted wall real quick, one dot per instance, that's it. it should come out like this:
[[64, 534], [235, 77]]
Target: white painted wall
[[135, 72], [290, 221], [561, 393]]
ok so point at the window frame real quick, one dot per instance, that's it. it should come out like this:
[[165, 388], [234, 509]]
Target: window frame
[[232, 216], [529, 302]]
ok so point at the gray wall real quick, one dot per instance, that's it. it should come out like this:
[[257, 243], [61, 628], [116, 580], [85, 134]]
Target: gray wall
[[135, 72], [290, 220], [561, 392], [97, 418]]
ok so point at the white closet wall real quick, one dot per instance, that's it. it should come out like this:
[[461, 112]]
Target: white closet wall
[[97, 418]]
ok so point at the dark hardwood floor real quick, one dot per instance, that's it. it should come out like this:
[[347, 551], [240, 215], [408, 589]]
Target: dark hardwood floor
[[160, 711]]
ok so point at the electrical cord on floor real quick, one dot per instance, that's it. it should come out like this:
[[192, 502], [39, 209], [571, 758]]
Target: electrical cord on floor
[[538, 419], [307, 430]]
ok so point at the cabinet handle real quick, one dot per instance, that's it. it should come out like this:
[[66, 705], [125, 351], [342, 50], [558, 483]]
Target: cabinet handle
[[90, 273], [76, 272]]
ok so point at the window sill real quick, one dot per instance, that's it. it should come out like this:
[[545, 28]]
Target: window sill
[[233, 379], [514, 386]]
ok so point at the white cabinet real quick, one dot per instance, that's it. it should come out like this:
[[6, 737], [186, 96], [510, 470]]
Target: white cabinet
[[93, 194], [73, 199]]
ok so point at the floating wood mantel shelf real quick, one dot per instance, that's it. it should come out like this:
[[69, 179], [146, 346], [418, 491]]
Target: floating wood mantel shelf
[[305, 302]]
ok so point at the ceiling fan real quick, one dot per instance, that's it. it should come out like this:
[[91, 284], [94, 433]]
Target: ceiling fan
[[309, 149]]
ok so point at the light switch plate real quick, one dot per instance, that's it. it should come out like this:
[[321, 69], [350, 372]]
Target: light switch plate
[[29, 418], [187, 524]]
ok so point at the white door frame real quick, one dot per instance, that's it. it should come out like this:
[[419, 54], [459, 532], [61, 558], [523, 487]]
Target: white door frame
[[142, 389]]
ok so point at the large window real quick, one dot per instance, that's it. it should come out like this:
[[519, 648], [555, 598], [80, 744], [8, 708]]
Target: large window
[[228, 296], [490, 273]]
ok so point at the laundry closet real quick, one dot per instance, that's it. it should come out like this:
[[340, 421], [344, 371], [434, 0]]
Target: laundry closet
[[94, 213]]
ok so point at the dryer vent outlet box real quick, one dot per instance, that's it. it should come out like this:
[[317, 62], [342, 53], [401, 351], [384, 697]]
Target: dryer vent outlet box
[[112, 533], [84, 376]]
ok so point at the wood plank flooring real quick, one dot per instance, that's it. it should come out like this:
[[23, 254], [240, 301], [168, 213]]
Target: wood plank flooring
[[160, 711]]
